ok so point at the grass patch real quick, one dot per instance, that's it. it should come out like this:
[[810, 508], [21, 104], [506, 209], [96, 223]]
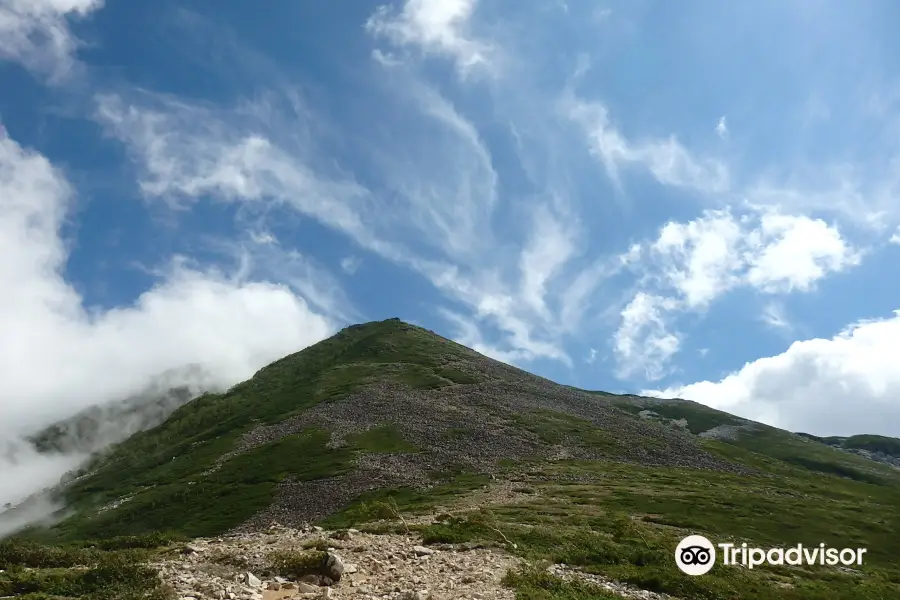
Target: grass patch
[[210, 504], [294, 565], [421, 378], [86, 571], [559, 428], [536, 584], [383, 504], [382, 439], [624, 521], [457, 376], [699, 418], [820, 458]]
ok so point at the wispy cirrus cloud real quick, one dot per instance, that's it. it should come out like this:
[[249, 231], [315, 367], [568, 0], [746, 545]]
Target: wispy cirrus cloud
[[667, 160]]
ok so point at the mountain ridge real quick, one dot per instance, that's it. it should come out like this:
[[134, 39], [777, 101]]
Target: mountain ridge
[[389, 427]]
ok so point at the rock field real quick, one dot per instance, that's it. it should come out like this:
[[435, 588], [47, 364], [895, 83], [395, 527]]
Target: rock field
[[361, 566]]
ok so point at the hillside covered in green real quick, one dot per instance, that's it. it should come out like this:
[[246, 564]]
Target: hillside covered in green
[[388, 419]]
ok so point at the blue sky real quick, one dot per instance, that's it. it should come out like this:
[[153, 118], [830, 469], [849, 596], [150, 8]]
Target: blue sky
[[688, 199]]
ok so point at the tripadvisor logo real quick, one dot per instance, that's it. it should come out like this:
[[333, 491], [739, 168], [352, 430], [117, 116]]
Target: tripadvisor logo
[[696, 555]]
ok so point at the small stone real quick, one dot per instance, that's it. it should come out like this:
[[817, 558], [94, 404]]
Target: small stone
[[253, 581], [305, 588], [422, 551]]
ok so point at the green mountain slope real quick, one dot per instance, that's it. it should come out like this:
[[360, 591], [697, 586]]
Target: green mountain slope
[[387, 418]]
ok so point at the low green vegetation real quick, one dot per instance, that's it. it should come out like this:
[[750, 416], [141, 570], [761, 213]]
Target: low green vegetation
[[111, 569], [813, 456], [381, 439], [536, 584], [872, 443], [388, 503], [557, 428], [623, 522], [699, 418], [294, 565], [457, 376], [197, 504]]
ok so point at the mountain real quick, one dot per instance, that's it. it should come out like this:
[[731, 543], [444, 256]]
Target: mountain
[[389, 427], [874, 447], [101, 425]]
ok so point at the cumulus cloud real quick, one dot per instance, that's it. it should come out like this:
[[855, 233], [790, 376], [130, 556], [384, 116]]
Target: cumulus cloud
[[771, 252], [839, 386], [35, 33], [689, 265], [56, 357], [791, 252]]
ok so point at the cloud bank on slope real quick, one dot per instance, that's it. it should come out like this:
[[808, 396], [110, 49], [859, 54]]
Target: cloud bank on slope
[[57, 357]]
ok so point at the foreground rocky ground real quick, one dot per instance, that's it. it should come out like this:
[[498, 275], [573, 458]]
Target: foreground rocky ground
[[361, 566]]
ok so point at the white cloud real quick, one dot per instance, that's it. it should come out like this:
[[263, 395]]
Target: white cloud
[[840, 386], [187, 152], [350, 264], [774, 315], [35, 33], [439, 201], [57, 358], [643, 344], [722, 128], [551, 245], [791, 252], [667, 160], [690, 265], [700, 258], [771, 252], [469, 334], [435, 26], [262, 257]]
